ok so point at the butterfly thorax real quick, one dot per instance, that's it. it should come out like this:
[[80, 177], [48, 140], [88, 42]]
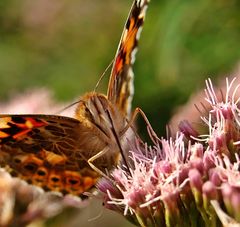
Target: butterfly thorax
[[101, 122]]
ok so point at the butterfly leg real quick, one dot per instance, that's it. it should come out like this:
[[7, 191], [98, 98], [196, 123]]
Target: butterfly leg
[[130, 123], [95, 157]]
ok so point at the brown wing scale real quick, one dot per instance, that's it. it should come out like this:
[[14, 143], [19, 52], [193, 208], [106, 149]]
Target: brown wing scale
[[43, 150]]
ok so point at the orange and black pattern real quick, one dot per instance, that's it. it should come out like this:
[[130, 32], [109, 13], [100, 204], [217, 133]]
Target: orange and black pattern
[[53, 152], [120, 89], [43, 150]]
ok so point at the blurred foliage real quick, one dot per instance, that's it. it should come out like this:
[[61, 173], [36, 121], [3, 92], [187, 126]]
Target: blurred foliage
[[65, 45]]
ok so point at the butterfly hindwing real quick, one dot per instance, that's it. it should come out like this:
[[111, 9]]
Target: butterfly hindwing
[[120, 88], [43, 150]]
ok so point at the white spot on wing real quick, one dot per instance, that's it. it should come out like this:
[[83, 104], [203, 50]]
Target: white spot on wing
[[139, 33], [131, 90], [133, 54]]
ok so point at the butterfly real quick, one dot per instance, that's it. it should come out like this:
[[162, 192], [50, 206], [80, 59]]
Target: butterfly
[[68, 155]]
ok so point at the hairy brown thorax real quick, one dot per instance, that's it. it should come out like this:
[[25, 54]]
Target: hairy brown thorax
[[99, 119]]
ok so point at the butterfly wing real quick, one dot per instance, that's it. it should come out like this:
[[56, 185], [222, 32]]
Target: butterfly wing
[[120, 88], [43, 150]]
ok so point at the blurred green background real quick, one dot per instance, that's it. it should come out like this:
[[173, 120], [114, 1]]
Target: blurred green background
[[65, 45]]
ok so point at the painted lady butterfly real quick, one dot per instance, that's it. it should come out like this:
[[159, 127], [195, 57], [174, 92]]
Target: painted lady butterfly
[[68, 155]]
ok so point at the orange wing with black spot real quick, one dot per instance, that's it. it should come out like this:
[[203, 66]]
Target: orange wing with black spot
[[43, 150], [120, 88]]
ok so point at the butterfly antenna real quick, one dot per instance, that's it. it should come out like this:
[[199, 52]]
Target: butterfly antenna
[[103, 74], [69, 106], [101, 77]]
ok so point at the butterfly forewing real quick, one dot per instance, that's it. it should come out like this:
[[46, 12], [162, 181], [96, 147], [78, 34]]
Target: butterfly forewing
[[120, 89]]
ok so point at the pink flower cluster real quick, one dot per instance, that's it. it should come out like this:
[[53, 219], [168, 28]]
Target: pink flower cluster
[[191, 179]]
